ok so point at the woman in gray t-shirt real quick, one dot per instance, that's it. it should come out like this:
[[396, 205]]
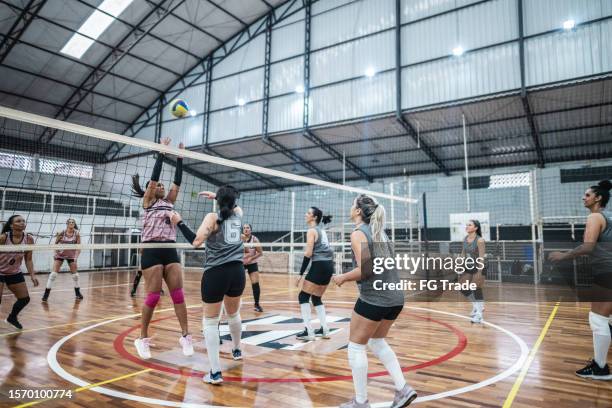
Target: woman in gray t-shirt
[[377, 308]]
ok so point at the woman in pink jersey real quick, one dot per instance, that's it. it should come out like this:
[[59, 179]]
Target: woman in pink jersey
[[161, 263], [251, 254], [13, 233], [69, 236]]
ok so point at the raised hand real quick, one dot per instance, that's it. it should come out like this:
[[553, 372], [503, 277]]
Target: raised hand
[[207, 194], [165, 141]]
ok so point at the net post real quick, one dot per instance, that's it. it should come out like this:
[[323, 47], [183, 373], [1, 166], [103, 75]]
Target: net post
[[392, 189], [532, 210], [291, 232]]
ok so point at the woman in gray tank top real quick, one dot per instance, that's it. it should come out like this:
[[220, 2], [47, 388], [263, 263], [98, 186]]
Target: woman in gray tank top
[[474, 248], [318, 277], [223, 279], [598, 245], [377, 307]]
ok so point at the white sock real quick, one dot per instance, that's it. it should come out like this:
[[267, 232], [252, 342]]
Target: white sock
[[322, 318], [480, 306], [75, 279], [358, 360], [234, 323], [306, 316], [211, 338], [51, 279], [601, 338], [387, 356]]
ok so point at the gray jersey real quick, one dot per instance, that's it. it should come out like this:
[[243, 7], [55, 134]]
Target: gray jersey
[[225, 245], [470, 249], [367, 293], [321, 251], [601, 258]]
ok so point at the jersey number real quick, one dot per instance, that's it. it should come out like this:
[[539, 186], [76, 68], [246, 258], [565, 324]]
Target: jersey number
[[232, 231]]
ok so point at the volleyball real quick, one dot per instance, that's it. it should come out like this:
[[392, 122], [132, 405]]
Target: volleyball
[[179, 108]]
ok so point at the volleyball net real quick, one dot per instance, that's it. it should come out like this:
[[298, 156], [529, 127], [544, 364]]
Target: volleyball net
[[52, 171]]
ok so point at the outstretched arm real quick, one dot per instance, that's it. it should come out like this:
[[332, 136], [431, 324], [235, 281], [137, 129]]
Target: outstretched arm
[[178, 177]]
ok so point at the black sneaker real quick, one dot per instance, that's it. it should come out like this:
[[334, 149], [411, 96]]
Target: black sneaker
[[592, 370], [237, 354], [258, 308], [322, 333], [133, 293], [14, 322], [46, 295], [77, 293], [213, 378], [304, 336]]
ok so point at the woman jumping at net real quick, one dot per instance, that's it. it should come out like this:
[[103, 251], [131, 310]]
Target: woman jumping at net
[[69, 236], [161, 263], [13, 233], [138, 277], [318, 277], [223, 280], [598, 245], [251, 254], [473, 248], [375, 310]]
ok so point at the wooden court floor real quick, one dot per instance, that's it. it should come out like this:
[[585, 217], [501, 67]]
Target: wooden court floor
[[524, 356]]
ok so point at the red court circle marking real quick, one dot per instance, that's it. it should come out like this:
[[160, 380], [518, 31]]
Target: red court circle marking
[[120, 340]]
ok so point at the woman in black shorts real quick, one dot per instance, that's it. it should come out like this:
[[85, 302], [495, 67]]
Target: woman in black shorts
[[474, 247], [318, 277], [251, 254], [375, 310], [223, 279]]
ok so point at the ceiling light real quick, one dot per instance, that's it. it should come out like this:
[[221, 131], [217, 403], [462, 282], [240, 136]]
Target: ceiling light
[[569, 24], [370, 72], [299, 89], [94, 26], [241, 102], [458, 51], [193, 112]]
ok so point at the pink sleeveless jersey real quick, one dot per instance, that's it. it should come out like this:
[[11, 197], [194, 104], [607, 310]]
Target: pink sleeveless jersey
[[251, 251], [65, 239], [156, 225], [10, 262]]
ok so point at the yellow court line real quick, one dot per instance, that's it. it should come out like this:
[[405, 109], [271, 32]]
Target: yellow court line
[[517, 384], [112, 317], [87, 387]]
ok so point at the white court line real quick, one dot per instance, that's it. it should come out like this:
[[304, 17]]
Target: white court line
[[59, 370], [72, 289]]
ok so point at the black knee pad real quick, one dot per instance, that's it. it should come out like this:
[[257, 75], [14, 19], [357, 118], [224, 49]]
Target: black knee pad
[[303, 297], [25, 300], [316, 300]]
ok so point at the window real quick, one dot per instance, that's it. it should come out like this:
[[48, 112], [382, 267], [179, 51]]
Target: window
[[62, 168], [16, 161], [586, 174], [509, 180]]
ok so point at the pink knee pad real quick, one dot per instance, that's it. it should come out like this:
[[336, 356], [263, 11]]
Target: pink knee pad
[[152, 299], [177, 296]]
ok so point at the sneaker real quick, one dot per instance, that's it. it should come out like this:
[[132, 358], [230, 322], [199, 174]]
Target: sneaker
[[474, 311], [322, 333], [143, 347], [186, 343], [213, 378], [477, 318], [404, 397], [77, 293], [46, 295], [133, 293], [257, 308], [354, 404], [14, 322], [592, 370], [237, 354], [305, 336]]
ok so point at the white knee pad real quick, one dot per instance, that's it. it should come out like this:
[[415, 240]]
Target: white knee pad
[[380, 348], [75, 277], [53, 276], [599, 324], [210, 322], [235, 318]]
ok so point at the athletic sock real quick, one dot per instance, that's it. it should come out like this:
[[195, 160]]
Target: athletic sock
[[601, 338], [256, 292], [306, 316], [358, 360], [387, 356], [321, 315], [18, 306], [211, 338], [235, 328]]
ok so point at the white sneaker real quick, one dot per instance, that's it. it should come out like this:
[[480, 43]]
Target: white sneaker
[[143, 347], [187, 343], [474, 310], [477, 318]]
